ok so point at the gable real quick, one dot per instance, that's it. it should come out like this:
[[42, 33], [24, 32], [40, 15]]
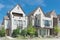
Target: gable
[[53, 13], [38, 11], [17, 9]]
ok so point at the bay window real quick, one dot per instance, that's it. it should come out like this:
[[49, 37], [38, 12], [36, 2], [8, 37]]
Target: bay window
[[47, 22]]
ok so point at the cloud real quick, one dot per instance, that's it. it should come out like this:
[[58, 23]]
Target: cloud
[[1, 6], [34, 2]]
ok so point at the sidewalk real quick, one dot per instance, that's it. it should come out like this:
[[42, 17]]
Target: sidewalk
[[10, 38]]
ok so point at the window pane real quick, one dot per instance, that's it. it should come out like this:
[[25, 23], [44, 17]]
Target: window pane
[[20, 22], [14, 22], [24, 23], [46, 22]]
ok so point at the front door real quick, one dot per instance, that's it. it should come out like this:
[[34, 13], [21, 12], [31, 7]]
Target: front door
[[7, 32]]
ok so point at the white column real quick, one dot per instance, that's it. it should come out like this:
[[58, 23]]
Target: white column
[[48, 32], [38, 33]]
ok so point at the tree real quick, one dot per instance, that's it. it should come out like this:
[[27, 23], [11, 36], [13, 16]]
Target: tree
[[31, 30]]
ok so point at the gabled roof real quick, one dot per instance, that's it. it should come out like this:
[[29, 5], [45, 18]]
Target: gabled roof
[[35, 11], [14, 7], [6, 17], [51, 13], [58, 16], [32, 12], [47, 14]]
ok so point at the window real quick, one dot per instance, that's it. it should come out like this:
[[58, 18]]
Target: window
[[24, 22], [50, 22], [37, 20], [43, 32], [20, 24], [17, 14], [14, 22], [46, 22]]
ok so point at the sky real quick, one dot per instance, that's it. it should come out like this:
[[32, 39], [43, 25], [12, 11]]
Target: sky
[[28, 6]]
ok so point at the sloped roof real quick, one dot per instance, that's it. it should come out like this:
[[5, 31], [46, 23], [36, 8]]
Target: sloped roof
[[6, 17], [47, 14], [35, 11], [58, 16], [32, 12], [14, 7], [51, 13]]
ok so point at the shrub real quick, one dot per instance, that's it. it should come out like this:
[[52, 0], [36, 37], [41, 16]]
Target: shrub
[[2, 32], [56, 30], [31, 30], [16, 32], [36, 34], [24, 32]]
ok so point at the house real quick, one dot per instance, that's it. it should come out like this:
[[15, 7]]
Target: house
[[1, 26], [44, 23], [15, 18], [59, 23], [58, 20]]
